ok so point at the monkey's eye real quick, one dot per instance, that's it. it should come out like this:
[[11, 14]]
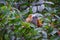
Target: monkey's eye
[[35, 17]]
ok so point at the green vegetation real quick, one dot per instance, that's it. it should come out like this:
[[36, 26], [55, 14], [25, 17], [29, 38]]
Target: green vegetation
[[13, 25]]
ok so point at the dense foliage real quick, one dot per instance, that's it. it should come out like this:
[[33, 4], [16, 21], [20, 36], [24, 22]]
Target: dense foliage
[[13, 25]]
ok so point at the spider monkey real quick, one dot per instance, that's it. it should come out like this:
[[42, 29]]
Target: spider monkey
[[35, 20]]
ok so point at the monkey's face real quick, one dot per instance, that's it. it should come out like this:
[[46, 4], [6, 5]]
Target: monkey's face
[[34, 20]]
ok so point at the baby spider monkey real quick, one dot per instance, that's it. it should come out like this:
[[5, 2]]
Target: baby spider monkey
[[35, 20]]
